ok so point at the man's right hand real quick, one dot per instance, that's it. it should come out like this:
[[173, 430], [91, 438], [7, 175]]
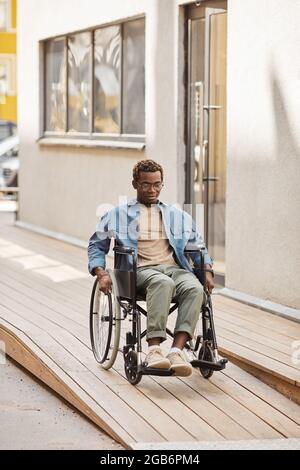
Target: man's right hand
[[104, 280]]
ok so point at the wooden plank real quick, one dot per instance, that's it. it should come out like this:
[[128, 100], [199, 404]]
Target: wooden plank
[[160, 399], [52, 298], [290, 391], [57, 272], [61, 251], [55, 296], [233, 350], [202, 389], [257, 316], [71, 284], [230, 320], [167, 426], [38, 243], [196, 426], [64, 292], [222, 421], [252, 423], [254, 336], [26, 306], [157, 393], [263, 410], [65, 252], [253, 345], [265, 392]]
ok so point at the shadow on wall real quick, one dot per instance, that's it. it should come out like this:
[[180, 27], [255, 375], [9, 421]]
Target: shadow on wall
[[286, 142], [267, 192]]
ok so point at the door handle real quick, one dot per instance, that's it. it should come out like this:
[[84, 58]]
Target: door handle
[[204, 156], [212, 106], [211, 178], [199, 105]]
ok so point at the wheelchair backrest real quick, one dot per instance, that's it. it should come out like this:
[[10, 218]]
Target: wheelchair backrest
[[126, 283]]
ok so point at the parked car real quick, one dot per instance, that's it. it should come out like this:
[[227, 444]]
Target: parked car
[[7, 129], [9, 161], [9, 172]]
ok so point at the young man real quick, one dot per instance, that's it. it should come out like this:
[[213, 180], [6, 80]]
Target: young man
[[159, 234]]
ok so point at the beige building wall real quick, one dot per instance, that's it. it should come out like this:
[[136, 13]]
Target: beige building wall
[[263, 192], [61, 187]]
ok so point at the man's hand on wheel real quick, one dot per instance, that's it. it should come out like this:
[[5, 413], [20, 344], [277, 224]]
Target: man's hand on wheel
[[104, 279], [209, 281]]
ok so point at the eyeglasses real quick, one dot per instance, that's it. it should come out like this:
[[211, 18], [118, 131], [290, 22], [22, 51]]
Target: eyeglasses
[[147, 186]]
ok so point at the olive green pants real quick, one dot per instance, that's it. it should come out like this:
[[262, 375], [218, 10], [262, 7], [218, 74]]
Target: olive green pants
[[160, 283]]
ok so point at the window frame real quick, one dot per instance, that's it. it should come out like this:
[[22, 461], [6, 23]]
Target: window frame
[[89, 136]]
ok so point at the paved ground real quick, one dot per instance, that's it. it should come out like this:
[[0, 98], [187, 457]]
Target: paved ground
[[33, 417]]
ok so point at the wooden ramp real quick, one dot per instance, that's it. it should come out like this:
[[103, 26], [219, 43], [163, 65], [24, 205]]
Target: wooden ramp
[[44, 304], [261, 343]]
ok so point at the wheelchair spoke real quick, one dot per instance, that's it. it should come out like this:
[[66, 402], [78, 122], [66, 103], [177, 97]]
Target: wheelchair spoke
[[104, 326]]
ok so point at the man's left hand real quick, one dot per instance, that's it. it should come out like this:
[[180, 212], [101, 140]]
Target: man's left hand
[[209, 281]]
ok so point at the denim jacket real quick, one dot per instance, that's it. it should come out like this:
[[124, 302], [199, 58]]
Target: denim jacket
[[122, 224]]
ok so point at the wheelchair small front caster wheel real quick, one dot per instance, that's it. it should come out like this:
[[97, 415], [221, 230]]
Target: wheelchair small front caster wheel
[[131, 368], [206, 354]]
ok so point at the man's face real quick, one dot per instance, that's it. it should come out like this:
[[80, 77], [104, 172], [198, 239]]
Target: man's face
[[148, 186]]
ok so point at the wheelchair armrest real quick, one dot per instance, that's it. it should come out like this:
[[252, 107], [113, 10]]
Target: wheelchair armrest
[[126, 278], [123, 250], [198, 269], [190, 248]]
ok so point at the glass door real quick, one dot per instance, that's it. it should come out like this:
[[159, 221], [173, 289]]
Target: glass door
[[206, 156]]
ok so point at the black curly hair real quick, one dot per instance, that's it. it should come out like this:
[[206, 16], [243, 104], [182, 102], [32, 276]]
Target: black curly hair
[[147, 166]]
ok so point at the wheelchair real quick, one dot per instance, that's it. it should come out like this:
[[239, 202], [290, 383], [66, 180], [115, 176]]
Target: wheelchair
[[108, 312]]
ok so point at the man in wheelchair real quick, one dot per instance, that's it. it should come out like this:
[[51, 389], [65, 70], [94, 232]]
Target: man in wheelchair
[[158, 233]]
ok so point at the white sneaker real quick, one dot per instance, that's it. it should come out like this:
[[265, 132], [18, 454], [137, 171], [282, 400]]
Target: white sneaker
[[179, 364], [157, 360]]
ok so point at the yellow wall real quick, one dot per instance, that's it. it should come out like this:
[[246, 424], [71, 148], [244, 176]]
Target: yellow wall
[[8, 111], [14, 13], [8, 45]]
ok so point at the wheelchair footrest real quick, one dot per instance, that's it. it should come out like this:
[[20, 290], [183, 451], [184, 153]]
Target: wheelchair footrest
[[155, 371], [220, 365]]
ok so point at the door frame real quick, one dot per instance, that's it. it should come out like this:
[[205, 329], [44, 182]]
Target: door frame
[[193, 12]]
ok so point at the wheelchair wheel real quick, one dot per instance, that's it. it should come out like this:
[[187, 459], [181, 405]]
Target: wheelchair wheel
[[105, 324], [206, 354], [131, 368]]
